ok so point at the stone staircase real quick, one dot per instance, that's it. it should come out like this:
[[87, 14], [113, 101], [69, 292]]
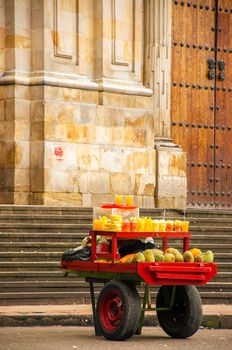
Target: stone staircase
[[33, 238]]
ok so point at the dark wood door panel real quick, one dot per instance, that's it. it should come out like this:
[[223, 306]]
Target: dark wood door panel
[[223, 118], [201, 107]]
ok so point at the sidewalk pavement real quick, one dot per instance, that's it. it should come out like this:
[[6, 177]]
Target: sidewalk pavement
[[214, 316]]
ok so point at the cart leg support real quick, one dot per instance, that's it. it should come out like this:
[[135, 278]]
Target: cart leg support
[[147, 302], [91, 289]]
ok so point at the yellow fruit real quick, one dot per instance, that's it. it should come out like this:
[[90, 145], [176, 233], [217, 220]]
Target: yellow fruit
[[208, 257], [188, 256], [179, 257], [102, 261], [158, 254], [173, 251], [195, 252], [198, 258], [149, 256], [127, 258], [169, 257], [139, 257]]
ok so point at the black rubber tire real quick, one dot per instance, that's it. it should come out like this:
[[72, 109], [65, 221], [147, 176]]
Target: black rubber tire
[[118, 299], [184, 319]]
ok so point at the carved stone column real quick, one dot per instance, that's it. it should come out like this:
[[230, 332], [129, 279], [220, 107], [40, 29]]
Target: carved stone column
[[171, 160], [15, 56]]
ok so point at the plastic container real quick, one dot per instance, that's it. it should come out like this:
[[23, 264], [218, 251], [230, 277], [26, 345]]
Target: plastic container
[[115, 218]]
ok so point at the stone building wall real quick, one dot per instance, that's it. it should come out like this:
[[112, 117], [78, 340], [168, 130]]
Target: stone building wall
[[85, 103]]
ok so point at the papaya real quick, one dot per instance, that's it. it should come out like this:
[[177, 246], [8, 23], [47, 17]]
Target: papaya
[[102, 261], [127, 258]]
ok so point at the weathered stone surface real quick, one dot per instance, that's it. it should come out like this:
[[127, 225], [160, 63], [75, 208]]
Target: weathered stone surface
[[98, 199], [86, 200], [145, 185], [112, 160], [72, 199], [137, 162], [22, 155], [122, 183], [37, 154], [171, 186], [21, 198], [172, 163], [22, 180], [165, 202], [89, 160], [148, 202], [98, 182], [135, 137], [79, 88]]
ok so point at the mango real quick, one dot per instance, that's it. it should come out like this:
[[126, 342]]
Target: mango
[[158, 255], [188, 256], [149, 256], [169, 257], [208, 257], [179, 257], [139, 257], [173, 251], [198, 258]]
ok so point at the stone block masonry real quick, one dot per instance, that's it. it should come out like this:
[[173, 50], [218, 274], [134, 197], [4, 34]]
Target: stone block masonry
[[82, 107]]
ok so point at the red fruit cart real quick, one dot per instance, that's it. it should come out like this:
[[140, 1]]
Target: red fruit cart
[[118, 314]]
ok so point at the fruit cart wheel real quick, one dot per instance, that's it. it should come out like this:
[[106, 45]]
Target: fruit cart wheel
[[184, 318], [118, 310]]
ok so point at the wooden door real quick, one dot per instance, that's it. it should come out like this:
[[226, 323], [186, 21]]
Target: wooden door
[[200, 100]]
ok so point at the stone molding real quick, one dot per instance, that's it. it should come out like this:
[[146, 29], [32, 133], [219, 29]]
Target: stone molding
[[73, 81]]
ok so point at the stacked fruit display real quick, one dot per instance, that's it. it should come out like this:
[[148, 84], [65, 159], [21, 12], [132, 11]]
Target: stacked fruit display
[[170, 255]]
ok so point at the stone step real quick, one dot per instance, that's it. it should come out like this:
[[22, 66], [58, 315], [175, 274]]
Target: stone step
[[189, 213], [217, 222], [212, 213], [35, 227], [30, 256], [208, 229], [29, 265], [84, 296], [30, 227], [38, 246], [63, 237], [71, 210], [63, 243], [61, 246], [12, 285], [46, 219], [44, 210], [81, 284], [40, 236], [87, 219]]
